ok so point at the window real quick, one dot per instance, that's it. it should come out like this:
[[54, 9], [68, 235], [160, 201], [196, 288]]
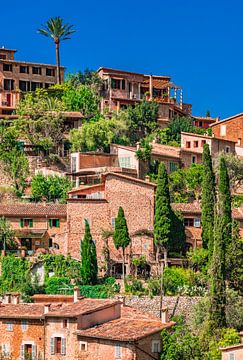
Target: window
[[50, 72], [35, 85], [194, 159], [54, 223], [197, 222], [195, 144], [222, 130], [117, 351], [188, 144], [156, 346], [58, 345], [24, 85], [188, 222], [116, 83], [125, 162], [26, 222], [36, 70], [227, 149], [6, 349], [173, 166], [8, 84], [24, 69], [203, 142], [3, 56], [200, 124], [65, 323], [24, 325], [50, 243], [231, 356], [9, 326], [83, 346], [123, 84], [7, 67], [113, 222], [28, 351]]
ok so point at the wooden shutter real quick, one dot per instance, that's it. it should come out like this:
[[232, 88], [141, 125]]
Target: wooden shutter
[[52, 346], [21, 222], [34, 351], [50, 223], [31, 223], [22, 354], [58, 222], [63, 346]]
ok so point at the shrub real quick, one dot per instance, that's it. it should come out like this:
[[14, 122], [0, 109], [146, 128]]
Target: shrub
[[175, 279], [134, 286], [58, 285]]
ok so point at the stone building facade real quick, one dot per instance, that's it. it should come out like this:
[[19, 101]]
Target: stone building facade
[[20, 76], [75, 328]]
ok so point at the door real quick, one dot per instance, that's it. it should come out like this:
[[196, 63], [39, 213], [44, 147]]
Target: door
[[8, 98]]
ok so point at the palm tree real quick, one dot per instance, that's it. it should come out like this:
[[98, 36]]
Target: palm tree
[[58, 31]]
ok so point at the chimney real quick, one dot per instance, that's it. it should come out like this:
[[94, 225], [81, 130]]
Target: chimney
[[147, 178], [7, 299], [15, 298], [76, 294], [122, 300], [165, 316], [46, 308]]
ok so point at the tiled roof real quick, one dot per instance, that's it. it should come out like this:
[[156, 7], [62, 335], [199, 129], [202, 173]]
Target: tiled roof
[[130, 178], [193, 207], [50, 298], [21, 311], [132, 326], [83, 306], [227, 119], [33, 210], [193, 232], [166, 150]]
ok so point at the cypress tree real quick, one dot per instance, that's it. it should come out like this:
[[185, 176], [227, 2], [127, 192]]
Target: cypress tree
[[208, 200], [89, 267], [225, 200], [121, 236], [163, 213], [217, 315]]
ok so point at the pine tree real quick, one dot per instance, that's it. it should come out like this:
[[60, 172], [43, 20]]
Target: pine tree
[[217, 315], [121, 236], [89, 267], [208, 200], [225, 200], [163, 213]]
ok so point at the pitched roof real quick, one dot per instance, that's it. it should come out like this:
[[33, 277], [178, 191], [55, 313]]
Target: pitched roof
[[193, 232], [34, 210], [21, 311], [81, 307], [166, 150], [130, 178], [132, 325], [193, 207], [227, 119]]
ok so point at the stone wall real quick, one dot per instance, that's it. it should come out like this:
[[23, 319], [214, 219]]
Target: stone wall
[[146, 304]]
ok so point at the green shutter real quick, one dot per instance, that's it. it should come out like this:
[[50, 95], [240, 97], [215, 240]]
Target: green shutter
[[50, 223], [58, 222], [31, 223], [21, 222]]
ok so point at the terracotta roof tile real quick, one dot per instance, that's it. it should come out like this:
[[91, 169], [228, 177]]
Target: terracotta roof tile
[[165, 150], [193, 232], [21, 311], [130, 178], [33, 210], [193, 207], [132, 325]]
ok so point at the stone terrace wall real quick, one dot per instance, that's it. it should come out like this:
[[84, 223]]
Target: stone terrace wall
[[146, 304]]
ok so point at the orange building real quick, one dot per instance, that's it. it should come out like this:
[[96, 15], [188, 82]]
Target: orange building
[[17, 77]]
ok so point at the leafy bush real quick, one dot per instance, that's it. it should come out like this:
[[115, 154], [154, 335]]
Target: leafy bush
[[61, 266], [58, 285], [134, 286], [176, 278], [15, 274]]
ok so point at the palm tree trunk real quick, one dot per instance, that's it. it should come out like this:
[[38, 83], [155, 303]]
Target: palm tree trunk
[[58, 62]]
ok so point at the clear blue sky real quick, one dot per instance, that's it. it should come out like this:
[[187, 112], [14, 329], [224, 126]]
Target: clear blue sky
[[198, 43]]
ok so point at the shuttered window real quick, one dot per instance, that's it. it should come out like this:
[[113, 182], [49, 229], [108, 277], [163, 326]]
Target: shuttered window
[[117, 351], [63, 346], [22, 352], [54, 223], [52, 346], [34, 351]]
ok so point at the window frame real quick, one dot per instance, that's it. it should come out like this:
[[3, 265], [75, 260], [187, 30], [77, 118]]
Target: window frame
[[81, 343], [9, 326], [118, 351], [24, 325], [158, 344], [197, 222]]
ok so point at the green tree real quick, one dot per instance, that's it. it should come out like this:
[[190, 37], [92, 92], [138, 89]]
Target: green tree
[[50, 188], [225, 201], [121, 236], [208, 200], [6, 234], [163, 214], [56, 29], [177, 241], [179, 124], [89, 267], [217, 315]]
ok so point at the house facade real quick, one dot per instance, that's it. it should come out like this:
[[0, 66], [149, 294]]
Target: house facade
[[56, 327], [17, 77], [124, 88]]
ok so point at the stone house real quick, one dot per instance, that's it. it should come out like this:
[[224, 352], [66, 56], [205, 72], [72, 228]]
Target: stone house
[[233, 352], [68, 327], [36, 225], [124, 88], [20, 76]]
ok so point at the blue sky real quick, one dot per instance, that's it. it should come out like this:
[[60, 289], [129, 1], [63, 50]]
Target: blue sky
[[198, 43]]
